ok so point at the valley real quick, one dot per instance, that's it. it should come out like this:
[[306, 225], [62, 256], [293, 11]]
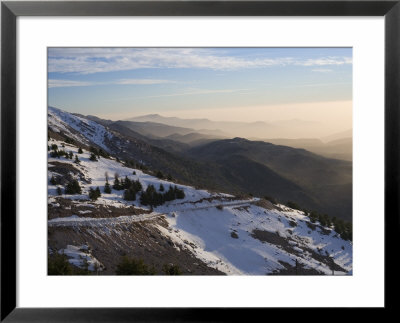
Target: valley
[[221, 223]]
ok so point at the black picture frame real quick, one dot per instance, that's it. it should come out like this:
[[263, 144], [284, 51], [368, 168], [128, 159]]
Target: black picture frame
[[10, 10]]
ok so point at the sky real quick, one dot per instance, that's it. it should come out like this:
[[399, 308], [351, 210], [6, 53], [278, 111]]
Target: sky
[[231, 84]]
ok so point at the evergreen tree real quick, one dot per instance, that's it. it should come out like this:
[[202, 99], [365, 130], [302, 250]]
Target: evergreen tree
[[54, 154], [94, 194], [126, 184], [53, 180], [130, 194], [59, 192], [160, 174], [138, 186], [161, 189], [77, 161], [80, 151], [179, 194], [170, 194], [73, 188], [71, 155], [93, 157], [117, 185], [107, 188]]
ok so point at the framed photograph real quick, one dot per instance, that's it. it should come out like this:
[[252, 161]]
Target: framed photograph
[[172, 160]]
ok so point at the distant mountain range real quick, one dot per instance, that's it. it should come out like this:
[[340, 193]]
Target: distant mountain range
[[259, 129], [237, 166], [200, 131], [341, 148]]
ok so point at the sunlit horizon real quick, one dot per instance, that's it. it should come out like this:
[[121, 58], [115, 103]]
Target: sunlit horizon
[[271, 85]]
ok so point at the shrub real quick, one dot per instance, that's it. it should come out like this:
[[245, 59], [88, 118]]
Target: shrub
[[171, 269], [220, 207], [160, 175], [234, 235], [59, 191], [128, 266], [58, 265], [92, 157], [271, 199], [311, 226], [69, 140], [293, 205]]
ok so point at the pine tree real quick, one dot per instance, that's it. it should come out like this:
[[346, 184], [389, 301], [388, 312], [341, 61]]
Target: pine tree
[[94, 194], [71, 155], [80, 151], [59, 192], [107, 188], [130, 194], [117, 185], [98, 193], [53, 180], [77, 161], [161, 189], [93, 157], [73, 188]]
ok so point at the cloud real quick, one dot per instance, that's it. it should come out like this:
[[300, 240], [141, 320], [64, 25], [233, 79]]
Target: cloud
[[69, 83], [94, 60], [187, 92], [322, 70], [141, 82]]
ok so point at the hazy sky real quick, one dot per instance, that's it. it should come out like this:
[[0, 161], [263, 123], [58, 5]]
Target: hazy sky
[[240, 84]]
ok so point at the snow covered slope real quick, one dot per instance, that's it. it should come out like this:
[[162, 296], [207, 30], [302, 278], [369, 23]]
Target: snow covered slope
[[232, 235], [59, 120]]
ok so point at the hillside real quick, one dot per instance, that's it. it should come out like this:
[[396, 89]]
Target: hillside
[[337, 149], [201, 232], [312, 181], [234, 166]]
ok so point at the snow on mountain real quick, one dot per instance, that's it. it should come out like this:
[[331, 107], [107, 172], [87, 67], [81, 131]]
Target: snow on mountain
[[235, 236], [59, 120]]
